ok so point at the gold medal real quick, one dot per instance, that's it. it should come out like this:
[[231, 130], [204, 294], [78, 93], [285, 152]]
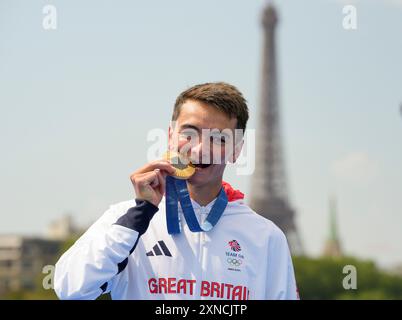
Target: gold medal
[[184, 168]]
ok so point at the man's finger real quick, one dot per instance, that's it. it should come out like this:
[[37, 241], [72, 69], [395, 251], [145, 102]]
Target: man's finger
[[158, 164], [162, 181], [147, 178]]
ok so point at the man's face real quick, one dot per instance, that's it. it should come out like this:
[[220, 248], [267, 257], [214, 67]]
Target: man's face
[[206, 135]]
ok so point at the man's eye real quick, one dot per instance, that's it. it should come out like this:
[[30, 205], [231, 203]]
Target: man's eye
[[188, 135], [218, 139]]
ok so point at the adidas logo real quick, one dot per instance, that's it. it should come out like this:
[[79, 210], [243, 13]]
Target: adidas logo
[[159, 250]]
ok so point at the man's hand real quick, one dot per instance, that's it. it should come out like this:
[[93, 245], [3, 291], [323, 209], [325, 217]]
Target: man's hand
[[150, 180]]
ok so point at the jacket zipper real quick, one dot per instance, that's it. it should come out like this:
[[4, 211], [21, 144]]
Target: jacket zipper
[[202, 242]]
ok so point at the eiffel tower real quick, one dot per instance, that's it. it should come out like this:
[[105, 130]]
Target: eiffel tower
[[268, 189]]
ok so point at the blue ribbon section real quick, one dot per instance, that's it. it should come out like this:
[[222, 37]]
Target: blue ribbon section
[[172, 215], [176, 190]]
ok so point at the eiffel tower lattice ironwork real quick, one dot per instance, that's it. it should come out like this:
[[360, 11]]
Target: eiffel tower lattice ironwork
[[269, 194]]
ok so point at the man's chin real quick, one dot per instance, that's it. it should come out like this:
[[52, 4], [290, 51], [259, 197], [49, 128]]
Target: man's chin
[[203, 176], [197, 179]]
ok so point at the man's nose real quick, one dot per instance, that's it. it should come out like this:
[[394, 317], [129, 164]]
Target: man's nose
[[200, 152]]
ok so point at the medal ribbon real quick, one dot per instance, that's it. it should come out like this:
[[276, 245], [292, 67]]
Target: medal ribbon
[[176, 191]]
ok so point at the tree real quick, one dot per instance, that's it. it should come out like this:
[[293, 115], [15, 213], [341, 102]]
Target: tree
[[322, 278]]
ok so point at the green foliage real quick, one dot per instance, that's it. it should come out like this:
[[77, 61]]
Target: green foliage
[[322, 278], [39, 294]]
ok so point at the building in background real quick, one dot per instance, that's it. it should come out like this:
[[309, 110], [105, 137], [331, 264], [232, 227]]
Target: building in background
[[333, 244], [396, 270], [269, 194], [22, 258], [62, 229]]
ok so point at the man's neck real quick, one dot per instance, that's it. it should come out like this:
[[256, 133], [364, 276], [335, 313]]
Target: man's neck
[[206, 193]]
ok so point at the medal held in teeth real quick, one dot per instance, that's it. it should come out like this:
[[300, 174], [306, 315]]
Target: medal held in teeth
[[176, 191], [184, 169]]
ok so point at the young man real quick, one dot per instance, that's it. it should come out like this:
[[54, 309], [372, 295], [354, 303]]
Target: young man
[[129, 251]]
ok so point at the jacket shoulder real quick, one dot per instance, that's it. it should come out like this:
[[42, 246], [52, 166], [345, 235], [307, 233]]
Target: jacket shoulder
[[108, 218], [258, 221]]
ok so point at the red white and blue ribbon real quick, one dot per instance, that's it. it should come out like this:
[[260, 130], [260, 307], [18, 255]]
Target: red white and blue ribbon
[[176, 191]]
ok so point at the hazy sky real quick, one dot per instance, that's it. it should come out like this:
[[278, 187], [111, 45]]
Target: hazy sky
[[77, 103]]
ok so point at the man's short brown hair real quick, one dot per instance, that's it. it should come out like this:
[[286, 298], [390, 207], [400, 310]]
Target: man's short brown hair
[[221, 95]]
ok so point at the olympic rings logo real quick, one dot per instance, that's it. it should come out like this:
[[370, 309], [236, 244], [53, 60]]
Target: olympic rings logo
[[234, 262]]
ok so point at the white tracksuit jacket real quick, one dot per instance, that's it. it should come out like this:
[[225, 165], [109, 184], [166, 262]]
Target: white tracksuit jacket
[[129, 253]]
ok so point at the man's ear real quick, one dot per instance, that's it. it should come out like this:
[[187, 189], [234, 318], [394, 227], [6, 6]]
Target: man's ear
[[237, 150], [170, 138], [172, 141]]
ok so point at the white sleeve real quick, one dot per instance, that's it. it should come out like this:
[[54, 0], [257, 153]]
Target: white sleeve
[[86, 270], [281, 282]]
